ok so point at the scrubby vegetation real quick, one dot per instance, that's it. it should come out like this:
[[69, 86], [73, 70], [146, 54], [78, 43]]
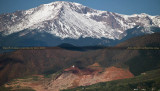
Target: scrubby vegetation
[[147, 60], [23, 63], [23, 90], [2, 88]]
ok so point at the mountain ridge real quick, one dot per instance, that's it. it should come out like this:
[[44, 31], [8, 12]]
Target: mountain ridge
[[73, 20]]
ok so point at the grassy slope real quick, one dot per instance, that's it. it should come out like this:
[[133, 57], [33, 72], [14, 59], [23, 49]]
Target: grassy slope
[[147, 60], [2, 88], [150, 80]]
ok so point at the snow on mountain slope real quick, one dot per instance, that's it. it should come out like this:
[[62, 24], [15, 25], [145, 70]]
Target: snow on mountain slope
[[73, 20]]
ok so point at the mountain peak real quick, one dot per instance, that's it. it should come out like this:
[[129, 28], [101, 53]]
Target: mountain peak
[[72, 20], [61, 3]]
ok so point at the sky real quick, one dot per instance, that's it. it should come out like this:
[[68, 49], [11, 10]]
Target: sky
[[127, 7]]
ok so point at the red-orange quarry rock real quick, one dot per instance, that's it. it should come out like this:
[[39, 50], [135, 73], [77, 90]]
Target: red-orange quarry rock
[[73, 76]]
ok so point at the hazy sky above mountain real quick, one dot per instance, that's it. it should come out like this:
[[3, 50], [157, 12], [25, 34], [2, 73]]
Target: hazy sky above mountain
[[151, 7]]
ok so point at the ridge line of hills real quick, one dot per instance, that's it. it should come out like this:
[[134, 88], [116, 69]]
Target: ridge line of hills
[[29, 62]]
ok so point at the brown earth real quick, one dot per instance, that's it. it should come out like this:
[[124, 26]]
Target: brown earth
[[73, 77], [22, 63]]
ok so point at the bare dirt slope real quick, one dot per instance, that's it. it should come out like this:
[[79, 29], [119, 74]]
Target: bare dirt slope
[[72, 77]]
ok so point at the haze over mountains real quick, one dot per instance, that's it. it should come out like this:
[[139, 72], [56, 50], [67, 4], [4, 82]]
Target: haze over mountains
[[66, 22]]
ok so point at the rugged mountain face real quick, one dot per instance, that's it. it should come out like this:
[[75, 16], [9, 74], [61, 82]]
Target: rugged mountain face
[[71, 21]]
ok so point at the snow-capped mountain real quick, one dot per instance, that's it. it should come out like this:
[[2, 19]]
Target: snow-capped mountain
[[72, 20]]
